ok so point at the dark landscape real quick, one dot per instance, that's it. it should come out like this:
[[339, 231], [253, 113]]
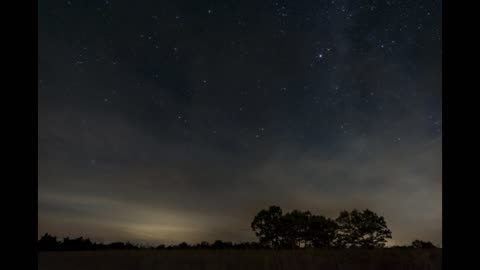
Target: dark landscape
[[294, 240], [391, 259]]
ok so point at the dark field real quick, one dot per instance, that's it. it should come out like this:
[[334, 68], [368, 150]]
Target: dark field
[[387, 259]]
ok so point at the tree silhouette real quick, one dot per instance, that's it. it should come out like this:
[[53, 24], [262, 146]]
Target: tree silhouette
[[219, 244], [76, 244], [48, 243], [295, 228], [203, 245], [361, 229], [422, 244], [321, 232], [267, 226], [302, 229], [183, 245]]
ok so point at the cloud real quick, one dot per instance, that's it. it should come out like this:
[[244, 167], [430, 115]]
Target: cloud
[[147, 189]]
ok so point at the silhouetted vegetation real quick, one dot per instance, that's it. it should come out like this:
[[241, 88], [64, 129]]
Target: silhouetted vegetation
[[417, 244], [422, 244], [296, 229], [50, 243], [361, 230]]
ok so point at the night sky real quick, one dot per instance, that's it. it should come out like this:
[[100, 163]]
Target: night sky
[[170, 121]]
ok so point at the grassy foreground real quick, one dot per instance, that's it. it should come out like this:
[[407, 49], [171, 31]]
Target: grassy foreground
[[390, 259]]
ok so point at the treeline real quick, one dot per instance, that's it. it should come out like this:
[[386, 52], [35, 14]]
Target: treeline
[[275, 230], [302, 229], [50, 243], [355, 229]]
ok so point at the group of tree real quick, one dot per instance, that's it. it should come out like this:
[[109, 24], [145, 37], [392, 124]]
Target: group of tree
[[274, 229], [296, 229], [416, 244], [217, 244], [50, 243]]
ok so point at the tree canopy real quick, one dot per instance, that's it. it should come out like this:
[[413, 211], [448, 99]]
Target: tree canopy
[[360, 229]]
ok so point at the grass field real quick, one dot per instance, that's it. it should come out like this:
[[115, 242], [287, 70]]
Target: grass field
[[390, 259]]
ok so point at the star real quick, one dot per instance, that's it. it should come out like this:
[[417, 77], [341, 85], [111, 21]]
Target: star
[[279, 68]]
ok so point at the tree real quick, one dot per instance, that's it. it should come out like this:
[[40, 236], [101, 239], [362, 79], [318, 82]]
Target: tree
[[422, 244], [129, 245], [267, 226], [48, 243], [116, 245], [294, 229], [321, 232], [219, 244], [183, 245], [203, 245], [361, 229]]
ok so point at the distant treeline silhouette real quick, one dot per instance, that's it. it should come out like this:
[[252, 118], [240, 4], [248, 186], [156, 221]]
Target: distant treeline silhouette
[[275, 230], [50, 243]]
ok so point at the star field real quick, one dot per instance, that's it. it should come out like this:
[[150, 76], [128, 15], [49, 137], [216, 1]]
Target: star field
[[177, 120]]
